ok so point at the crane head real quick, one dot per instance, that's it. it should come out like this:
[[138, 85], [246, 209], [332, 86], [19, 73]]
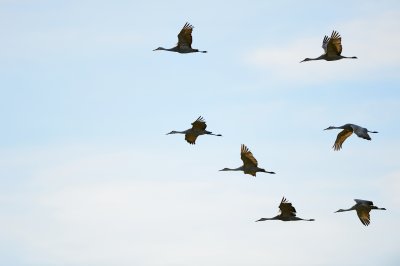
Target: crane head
[[159, 48], [305, 60]]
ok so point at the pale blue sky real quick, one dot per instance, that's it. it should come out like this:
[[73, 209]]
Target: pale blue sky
[[88, 176]]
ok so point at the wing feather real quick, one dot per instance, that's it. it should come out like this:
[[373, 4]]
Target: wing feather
[[325, 43], [367, 202], [361, 132], [341, 137], [199, 124], [363, 215], [247, 157], [287, 208], [334, 44], [185, 36], [191, 138]]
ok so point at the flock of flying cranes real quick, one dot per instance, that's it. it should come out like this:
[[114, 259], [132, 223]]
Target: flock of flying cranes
[[333, 49]]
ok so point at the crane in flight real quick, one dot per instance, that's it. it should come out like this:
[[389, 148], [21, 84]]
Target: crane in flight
[[287, 213], [362, 207], [184, 44], [332, 47], [349, 129], [198, 128], [250, 164]]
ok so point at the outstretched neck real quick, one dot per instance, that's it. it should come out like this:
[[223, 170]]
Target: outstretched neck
[[266, 219], [344, 210], [333, 127], [174, 49], [177, 132], [313, 59], [233, 169]]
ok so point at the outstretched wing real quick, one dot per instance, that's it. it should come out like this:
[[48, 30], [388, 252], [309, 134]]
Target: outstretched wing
[[185, 36], [363, 214], [191, 138], [341, 137], [333, 44], [199, 124], [361, 132], [247, 157], [325, 43], [366, 202], [287, 208]]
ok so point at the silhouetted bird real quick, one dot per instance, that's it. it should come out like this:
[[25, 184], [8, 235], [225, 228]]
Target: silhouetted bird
[[198, 128], [363, 207], [287, 213], [184, 45], [348, 129], [332, 47], [250, 164]]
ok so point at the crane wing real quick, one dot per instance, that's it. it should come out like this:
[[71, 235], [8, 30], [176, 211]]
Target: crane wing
[[325, 43], [185, 36], [341, 137], [361, 132], [247, 157], [363, 214], [334, 44], [366, 202], [250, 172], [199, 124], [191, 138], [287, 208]]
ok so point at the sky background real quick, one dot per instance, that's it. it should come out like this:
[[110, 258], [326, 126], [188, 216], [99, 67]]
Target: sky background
[[88, 176]]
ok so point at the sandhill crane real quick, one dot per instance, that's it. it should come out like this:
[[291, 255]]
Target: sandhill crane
[[250, 164], [363, 207], [184, 44], [198, 128], [332, 47], [348, 129], [287, 213]]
